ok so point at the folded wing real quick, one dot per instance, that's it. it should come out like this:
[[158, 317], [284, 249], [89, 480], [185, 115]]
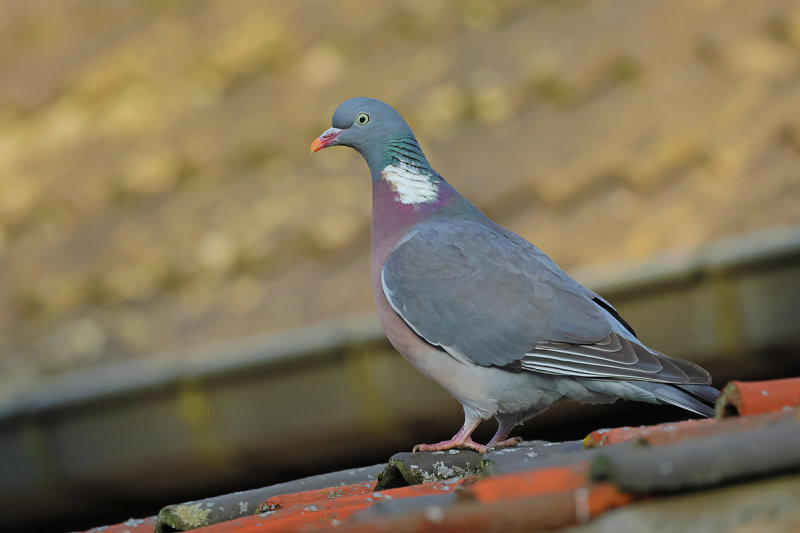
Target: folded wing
[[491, 300]]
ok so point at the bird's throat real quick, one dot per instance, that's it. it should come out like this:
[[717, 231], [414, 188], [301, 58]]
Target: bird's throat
[[410, 185], [407, 172]]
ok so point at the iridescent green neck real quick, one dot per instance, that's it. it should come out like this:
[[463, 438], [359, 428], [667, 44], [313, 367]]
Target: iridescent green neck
[[404, 149]]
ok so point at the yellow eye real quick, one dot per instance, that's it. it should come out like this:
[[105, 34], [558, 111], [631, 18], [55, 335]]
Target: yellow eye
[[362, 118]]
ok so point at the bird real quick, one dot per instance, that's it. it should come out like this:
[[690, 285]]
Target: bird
[[483, 312]]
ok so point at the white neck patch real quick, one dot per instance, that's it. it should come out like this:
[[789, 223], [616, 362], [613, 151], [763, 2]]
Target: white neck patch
[[410, 185]]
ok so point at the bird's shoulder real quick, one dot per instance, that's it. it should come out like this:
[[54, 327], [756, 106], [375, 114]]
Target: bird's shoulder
[[470, 288], [467, 242]]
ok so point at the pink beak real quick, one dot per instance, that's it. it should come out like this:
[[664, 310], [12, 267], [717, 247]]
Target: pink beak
[[327, 137]]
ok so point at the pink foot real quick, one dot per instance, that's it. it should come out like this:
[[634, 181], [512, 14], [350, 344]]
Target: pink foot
[[452, 444], [507, 443]]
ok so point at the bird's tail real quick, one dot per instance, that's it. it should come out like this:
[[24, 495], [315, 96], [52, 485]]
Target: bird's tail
[[699, 399]]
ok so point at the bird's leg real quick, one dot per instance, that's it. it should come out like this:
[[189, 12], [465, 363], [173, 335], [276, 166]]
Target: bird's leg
[[504, 426], [460, 440]]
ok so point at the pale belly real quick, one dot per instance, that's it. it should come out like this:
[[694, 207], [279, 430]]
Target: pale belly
[[483, 391]]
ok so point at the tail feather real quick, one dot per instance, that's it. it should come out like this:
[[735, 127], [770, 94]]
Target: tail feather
[[704, 393], [698, 399]]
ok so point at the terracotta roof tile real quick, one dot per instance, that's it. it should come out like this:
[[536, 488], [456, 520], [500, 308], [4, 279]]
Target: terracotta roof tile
[[743, 398], [520, 489]]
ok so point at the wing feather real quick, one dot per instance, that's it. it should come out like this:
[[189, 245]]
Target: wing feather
[[490, 298]]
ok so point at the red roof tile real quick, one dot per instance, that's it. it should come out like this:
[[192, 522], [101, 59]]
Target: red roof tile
[[561, 489], [325, 507], [750, 398]]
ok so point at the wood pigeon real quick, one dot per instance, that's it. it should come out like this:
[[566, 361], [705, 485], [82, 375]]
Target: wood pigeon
[[483, 312]]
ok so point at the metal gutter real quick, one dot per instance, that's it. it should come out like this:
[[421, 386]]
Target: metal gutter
[[728, 255], [617, 282], [159, 371]]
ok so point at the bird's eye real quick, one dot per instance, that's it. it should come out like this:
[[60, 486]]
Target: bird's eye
[[362, 118]]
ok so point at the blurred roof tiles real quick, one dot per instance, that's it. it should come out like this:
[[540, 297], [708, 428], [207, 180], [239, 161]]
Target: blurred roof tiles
[[158, 193]]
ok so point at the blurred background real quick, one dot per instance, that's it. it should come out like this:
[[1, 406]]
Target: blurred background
[[184, 296]]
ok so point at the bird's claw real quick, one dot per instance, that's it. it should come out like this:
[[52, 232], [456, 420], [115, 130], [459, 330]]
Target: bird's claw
[[467, 444], [508, 443]]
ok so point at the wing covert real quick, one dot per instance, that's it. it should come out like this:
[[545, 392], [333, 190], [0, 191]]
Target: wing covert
[[490, 298], [469, 289]]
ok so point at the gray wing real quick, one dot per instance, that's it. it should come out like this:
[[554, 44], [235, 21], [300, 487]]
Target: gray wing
[[491, 299]]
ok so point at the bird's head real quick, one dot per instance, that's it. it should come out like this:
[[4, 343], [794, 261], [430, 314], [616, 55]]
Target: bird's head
[[366, 125]]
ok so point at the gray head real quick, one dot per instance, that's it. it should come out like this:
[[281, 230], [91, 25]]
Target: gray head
[[366, 125]]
